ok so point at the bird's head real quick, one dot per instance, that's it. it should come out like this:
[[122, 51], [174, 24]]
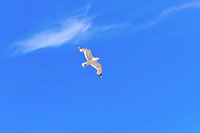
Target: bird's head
[[96, 59]]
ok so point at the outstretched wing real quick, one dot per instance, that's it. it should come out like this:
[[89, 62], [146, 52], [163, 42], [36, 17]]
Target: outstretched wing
[[98, 67], [87, 53]]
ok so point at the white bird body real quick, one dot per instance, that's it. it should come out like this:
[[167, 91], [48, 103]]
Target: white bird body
[[91, 61]]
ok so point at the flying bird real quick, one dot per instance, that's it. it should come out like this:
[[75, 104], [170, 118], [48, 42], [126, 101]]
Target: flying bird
[[91, 61]]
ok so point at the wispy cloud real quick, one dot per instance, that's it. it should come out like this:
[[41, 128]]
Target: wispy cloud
[[195, 4], [112, 26], [71, 30], [66, 31], [87, 8]]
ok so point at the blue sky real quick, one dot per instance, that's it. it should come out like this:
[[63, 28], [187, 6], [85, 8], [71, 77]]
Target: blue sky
[[150, 55]]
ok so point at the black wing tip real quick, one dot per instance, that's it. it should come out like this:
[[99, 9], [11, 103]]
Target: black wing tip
[[100, 75], [79, 47]]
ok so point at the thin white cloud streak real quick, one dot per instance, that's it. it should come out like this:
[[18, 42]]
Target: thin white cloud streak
[[89, 5], [109, 27], [168, 11], [96, 30], [71, 30], [65, 32]]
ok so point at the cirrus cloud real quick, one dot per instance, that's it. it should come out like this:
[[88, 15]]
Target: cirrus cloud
[[195, 4], [66, 31], [70, 30]]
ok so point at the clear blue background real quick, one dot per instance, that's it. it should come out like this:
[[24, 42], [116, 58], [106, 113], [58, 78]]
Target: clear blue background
[[150, 78]]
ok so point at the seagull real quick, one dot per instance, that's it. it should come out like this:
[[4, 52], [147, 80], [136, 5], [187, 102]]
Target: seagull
[[91, 61]]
